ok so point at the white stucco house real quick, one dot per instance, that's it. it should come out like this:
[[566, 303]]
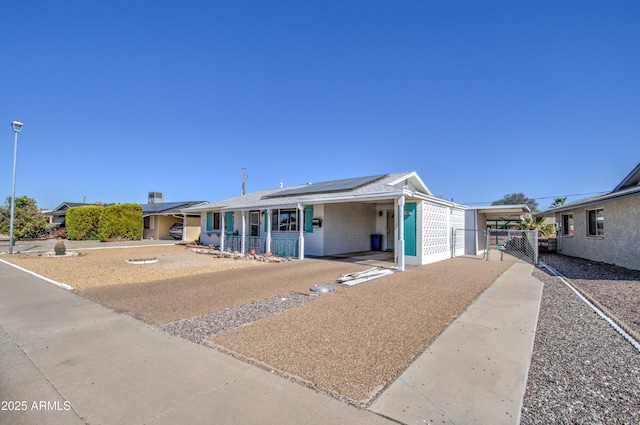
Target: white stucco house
[[603, 228], [386, 212]]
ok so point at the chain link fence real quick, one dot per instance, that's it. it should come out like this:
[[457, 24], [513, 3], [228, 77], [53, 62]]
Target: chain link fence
[[512, 245]]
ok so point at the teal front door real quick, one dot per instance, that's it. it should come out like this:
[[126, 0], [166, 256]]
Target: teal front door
[[410, 228]]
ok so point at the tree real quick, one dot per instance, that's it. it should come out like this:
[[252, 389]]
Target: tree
[[530, 222], [558, 202], [28, 220], [517, 199]]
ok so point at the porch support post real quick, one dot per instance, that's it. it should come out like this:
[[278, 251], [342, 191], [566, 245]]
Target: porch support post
[[243, 237], [301, 232], [184, 227], [400, 241], [222, 227], [268, 243]]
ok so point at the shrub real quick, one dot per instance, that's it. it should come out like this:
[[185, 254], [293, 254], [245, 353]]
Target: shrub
[[28, 221], [82, 222], [121, 221]]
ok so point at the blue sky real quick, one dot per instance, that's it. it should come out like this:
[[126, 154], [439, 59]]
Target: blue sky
[[481, 98]]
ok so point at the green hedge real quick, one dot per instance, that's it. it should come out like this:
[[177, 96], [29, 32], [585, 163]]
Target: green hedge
[[82, 222], [121, 221]]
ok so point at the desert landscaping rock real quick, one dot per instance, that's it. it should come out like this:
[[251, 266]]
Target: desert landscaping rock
[[582, 371], [354, 342], [199, 329], [104, 267], [172, 299]]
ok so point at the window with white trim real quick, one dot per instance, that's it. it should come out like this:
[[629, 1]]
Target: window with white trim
[[595, 222], [567, 224], [284, 220], [213, 221]]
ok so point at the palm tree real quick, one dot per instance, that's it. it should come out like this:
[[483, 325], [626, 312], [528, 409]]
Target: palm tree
[[530, 222], [558, 202]]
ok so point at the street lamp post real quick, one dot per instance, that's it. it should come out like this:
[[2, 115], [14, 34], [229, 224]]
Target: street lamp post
[[17, 126]]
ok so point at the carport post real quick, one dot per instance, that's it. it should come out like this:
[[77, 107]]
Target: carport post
[[301, 232], [222, 224], [244, 227], [400, 216], [184, 227], [268, 243]]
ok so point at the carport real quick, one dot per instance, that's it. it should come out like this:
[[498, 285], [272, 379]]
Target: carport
[[479, 219]]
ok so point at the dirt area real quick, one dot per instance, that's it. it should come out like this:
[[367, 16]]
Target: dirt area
[[351, 343], [102, 267]]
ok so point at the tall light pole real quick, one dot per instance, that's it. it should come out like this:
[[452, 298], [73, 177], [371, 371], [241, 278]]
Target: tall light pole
[[17, 126]]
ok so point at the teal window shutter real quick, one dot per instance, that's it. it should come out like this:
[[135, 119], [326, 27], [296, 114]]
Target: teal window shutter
[[209, 221], [265, 218], [308, 218], [228, 221]]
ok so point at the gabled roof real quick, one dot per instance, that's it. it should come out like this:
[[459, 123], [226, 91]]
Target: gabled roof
[[61, 210], [629, 186], [168, 208], [369, 188]]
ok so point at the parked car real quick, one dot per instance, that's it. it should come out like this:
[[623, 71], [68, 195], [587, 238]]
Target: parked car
[[176, 231]]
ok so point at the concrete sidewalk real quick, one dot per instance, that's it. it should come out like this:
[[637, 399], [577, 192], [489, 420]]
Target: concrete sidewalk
[[71, 361], [476, 371]]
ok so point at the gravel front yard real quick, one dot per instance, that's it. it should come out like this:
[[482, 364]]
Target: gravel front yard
[[355, 341], [102, 267], [351, 343], [581, 371]]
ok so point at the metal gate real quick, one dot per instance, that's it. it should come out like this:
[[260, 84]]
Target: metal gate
[[512, 245]]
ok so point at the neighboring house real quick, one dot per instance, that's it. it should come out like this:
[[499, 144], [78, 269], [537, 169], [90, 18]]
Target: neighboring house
[[388, 212], [159, 216], [603, 228], [58, 215]]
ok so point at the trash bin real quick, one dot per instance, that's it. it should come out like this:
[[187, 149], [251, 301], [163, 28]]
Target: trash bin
[[376, 242]]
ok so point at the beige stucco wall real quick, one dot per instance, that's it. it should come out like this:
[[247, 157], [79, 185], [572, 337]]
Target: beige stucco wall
[[163, 223], [193, 228], [620, 244]]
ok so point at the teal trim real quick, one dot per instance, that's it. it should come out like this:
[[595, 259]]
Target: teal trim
[[209, 221], [410, 228], [228, 221], [308, 218], [265, 218]]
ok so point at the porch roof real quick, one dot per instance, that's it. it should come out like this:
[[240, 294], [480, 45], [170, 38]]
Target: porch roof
[[503, 212], [371, 188]]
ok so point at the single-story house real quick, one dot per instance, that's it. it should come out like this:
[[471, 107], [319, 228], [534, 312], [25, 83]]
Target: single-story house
[[58, 215], [387, 212], [159, 216], [603, 228]]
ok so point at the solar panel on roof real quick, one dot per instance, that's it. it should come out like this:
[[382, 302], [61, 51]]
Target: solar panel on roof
[[328, 187]]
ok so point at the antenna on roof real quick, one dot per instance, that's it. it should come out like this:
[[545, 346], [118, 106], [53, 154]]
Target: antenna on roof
[[244, 180]]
